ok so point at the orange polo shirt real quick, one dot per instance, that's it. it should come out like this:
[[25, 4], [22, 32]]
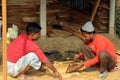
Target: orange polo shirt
[[21, 46], [100, 43]]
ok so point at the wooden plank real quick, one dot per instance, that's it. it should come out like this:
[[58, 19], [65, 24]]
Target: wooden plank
[[4, 46], [22, 2], [21, 13], [94, 10], [19, 7], [30, 19], [80, 17], [74, 31], [101, 5]]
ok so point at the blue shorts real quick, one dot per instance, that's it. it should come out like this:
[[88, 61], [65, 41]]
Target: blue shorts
[[31, 59]]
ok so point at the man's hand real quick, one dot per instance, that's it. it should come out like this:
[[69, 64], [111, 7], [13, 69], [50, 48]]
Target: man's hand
[[50, 66], [77, 56], [58, 75], [74, 67]]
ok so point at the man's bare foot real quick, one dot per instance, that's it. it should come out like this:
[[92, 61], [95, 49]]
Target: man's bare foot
[[42, 69], [24, 77], [116, 68]]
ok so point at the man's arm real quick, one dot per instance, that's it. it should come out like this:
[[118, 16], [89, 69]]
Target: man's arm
[[51, 67], [75, 67], [78, 56]]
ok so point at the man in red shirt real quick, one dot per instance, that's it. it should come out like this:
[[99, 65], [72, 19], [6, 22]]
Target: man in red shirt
[[23, 53], [97, 50]]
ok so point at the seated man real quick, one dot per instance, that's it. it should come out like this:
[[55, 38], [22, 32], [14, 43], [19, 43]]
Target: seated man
[[97, 51], [23, 53]]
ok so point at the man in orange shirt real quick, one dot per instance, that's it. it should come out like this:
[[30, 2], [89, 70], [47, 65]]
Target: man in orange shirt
[[97, 50], [23, 54]]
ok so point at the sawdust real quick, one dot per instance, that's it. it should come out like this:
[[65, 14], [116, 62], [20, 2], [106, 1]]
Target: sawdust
[[63, 44], [62, 66]]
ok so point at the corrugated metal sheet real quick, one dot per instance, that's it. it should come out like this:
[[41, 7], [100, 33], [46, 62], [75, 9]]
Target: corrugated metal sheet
[[79, 4]]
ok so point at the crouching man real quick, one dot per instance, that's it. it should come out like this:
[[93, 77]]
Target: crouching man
[[97, 51], [23, 54]]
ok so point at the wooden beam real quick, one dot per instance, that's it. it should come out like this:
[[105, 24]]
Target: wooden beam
[[43, 21], [4, 40], [94, 10], [112, 17]]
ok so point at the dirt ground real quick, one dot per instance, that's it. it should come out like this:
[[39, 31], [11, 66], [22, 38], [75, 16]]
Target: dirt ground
[[62, 66], [64, 43]]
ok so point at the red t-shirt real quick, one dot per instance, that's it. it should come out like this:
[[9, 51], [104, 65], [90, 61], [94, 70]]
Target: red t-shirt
[[100, 43], [21, 46]]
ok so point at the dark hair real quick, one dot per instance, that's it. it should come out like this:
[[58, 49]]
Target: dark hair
[[32, 27], [87, 32]]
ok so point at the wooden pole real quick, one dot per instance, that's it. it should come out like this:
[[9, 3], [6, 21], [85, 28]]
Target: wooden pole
[[112, 18], [43, 17], [94, 10], [4, 39]]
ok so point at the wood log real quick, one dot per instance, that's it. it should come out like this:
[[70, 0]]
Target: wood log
[[94, 10]]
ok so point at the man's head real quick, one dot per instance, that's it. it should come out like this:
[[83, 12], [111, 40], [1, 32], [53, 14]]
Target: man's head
[[33, 30], [88, 31]]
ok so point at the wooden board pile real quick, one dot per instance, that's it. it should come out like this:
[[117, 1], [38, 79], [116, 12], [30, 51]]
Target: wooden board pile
[[60, 15], [20, 12], [102, 17]]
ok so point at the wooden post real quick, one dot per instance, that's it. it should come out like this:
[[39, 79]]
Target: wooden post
[[112, 17], [94, 10], [43, 17], [4, 40]]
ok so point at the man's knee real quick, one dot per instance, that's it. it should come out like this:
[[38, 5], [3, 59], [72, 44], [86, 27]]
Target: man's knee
[[34, 60], [103, 54], [32, 55]]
